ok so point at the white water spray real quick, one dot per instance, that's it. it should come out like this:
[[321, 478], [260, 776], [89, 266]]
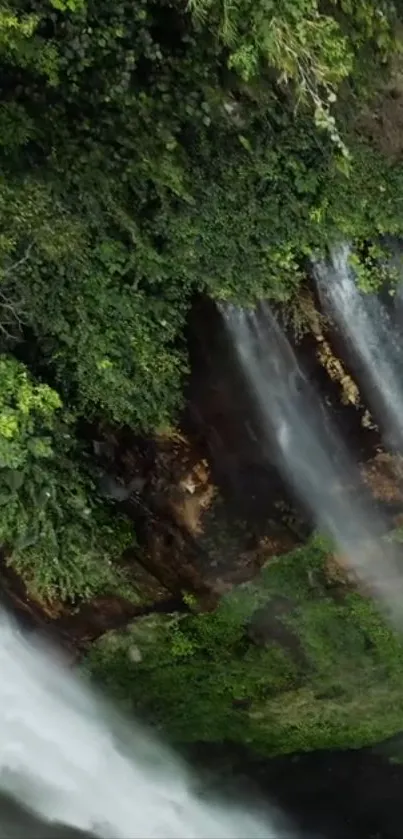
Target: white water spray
[[371, 338], [310, 453], [71, 760]]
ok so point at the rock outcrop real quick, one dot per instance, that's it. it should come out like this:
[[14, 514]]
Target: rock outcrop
[[208, 509], [296, 660]]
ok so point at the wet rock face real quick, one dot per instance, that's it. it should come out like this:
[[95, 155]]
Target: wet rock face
[[188, 538], [222, 418], [323, 356], [192, 540], [211, 508], [208, 504], [383, 474]]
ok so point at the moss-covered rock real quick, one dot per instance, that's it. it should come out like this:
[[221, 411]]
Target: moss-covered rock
[[294, 661]]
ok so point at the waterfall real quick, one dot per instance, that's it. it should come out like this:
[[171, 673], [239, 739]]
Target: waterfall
[[309, 452], [366, 326], [70, 760]]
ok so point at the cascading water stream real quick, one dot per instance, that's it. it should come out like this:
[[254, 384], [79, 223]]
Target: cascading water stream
[[371, 337], [68, 758], [309, 451]]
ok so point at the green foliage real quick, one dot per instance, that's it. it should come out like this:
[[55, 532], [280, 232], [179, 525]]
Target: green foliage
[[314, 51], [150, 152], [68, 5], [60, 541], [21, 45], [302, 44], [27, 416], [143, 159], [335, 680], [56, 535], [374, 271], [123, 363]]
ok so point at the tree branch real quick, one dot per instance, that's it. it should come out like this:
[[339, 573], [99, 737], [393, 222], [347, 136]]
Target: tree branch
[[20, 262]]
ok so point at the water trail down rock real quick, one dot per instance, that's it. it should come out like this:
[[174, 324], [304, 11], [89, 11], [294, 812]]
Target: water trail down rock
[[71, 760], [310, 453], [371, 338]]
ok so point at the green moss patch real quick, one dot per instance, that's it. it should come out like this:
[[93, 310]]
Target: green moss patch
[[216, 676]]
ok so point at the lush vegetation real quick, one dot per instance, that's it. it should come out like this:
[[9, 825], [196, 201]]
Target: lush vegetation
[[325, 672], [57, 536], [150, 150]]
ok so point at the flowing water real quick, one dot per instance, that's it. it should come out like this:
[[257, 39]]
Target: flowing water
[[69, 765], [309, 452], [70, 760], [371, 339]]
